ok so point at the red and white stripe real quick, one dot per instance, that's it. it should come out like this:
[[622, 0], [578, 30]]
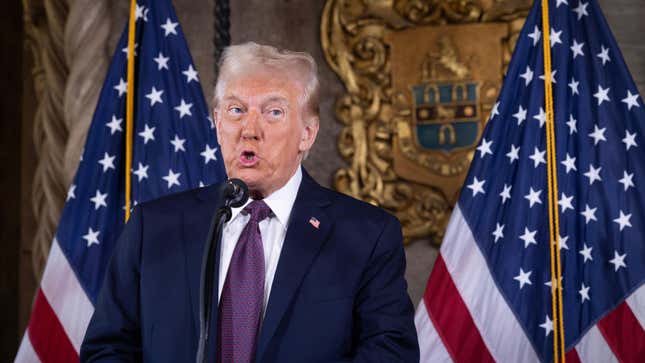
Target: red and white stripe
[[464, 318], [60, 315]]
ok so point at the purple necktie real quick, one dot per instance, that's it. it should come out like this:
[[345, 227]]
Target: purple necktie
[[240, 307]]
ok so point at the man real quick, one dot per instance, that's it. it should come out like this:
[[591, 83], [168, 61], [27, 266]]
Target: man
[[304, 274]]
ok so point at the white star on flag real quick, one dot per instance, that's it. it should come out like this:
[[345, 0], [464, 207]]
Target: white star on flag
[[586, 253], [122, 87], [514, 154], [547, 326], [191, 74], [524, 278], [572, 125], [154, 96], [147, 134], [495, 111], [184, 109], [538, 157], [554, 37], [107, 162], [598, 134], [576, 48], [623, 220], [99, 200], [527, 75], [209, 154], [162, 62], [627, 180], [71, 192], [141, 172], [477, 186], [172, 178], [92, 237], [541, 117], [562, 241], [114, 125], [169, 27], [629, 140], [499, 232], [178, 143], [593, 174], [602, 95], [569, 163], [520, 115], [484, 147], [584, 293], [565, 202], [618, 261], [528, 237], [553, 73], [589, 214], [574, 86], [535, 36], [631, 100], [604, 55], [533, 197], [126, 50], [581, 10], [506, 193]]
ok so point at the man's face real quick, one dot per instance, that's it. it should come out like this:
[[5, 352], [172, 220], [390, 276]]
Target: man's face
[[261, 130]]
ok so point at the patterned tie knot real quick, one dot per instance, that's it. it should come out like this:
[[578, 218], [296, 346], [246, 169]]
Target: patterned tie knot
[[258, 209]]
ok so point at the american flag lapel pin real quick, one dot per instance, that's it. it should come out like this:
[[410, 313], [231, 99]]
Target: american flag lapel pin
[[314, 222]]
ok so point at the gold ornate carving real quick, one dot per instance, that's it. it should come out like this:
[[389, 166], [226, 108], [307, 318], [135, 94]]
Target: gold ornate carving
[[375, 47], [44, 26]]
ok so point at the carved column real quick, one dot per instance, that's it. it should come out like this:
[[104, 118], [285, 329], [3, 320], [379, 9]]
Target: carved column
[[68, 39], [44, 26]]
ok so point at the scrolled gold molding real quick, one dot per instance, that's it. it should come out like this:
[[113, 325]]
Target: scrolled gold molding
[[353, 41]]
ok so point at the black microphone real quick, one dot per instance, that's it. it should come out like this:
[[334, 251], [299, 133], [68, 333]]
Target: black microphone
[[234, 193]]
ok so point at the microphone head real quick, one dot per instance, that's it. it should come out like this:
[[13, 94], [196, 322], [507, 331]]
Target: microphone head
[[235, 192]]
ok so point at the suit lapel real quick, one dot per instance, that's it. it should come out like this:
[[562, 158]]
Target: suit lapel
[[195, 225], [301, 246]]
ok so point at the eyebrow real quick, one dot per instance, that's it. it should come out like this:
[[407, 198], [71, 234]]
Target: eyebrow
[[232, 98], [275, 99]]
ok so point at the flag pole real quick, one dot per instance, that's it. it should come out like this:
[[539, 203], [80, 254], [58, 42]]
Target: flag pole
[[552, 184], [129, 108]]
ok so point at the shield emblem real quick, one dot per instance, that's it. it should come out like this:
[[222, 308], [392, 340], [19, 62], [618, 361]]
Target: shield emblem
[[446, 115]]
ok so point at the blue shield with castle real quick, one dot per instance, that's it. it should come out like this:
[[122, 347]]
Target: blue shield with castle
[[446, 115]]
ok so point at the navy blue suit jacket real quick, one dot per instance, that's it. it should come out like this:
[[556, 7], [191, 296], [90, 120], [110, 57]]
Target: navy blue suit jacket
[[339, 292]]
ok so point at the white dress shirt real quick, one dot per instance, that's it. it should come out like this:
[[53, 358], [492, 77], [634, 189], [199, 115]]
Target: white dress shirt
[[272, 229]]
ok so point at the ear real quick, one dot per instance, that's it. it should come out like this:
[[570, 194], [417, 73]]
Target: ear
[[309, 133]]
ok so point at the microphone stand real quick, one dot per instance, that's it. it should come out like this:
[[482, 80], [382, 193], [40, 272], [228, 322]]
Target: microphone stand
[[207, 284]]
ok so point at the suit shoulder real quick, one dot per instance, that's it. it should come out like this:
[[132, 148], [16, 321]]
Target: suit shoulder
[[352, 208], [181, 200]]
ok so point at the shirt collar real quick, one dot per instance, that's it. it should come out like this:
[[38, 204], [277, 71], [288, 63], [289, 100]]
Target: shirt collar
[[281, 201]]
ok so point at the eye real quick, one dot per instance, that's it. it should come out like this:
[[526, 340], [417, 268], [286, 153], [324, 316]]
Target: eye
[[276, 112], [235, 110]]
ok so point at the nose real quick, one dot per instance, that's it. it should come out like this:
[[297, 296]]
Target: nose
[[251, 126]]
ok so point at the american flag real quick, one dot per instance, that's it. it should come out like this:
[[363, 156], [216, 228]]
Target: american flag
[[488, 297], [174, 148]]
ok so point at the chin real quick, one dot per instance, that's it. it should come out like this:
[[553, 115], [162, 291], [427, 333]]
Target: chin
[[248, 175]]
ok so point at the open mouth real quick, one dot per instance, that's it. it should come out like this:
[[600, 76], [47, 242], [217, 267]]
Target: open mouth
[[248, 158]]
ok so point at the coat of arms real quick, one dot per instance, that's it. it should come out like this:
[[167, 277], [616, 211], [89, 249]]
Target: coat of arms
[[421, 79]]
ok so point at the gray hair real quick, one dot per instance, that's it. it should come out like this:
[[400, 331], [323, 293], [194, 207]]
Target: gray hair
[[239, 58]]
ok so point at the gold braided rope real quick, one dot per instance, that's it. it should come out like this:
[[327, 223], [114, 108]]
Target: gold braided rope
[[552, 179], [129, 108]]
